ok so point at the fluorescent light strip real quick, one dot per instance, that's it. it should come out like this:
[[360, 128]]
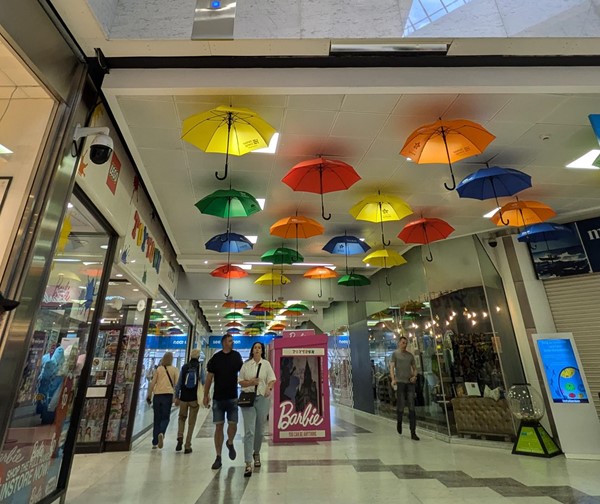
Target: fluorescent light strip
[[326, 265], [5, 150], [489, 215], [272, 148], [589, 161], [252, 239]]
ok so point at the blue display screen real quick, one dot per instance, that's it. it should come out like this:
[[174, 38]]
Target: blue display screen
[[562, 371]]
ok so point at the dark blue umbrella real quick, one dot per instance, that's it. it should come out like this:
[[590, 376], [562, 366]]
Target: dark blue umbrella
[[259, 313], [270, 333], [493, 182], [544, 231], [346, 245], [233, 330], [229, 242]]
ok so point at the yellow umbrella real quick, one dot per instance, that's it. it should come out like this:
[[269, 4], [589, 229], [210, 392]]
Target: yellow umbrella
[[384, 258], [275, 305], [381, 208], [272, 279], [227, 130]]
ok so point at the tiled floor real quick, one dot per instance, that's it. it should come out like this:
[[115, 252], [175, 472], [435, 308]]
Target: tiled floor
[[367, 462]]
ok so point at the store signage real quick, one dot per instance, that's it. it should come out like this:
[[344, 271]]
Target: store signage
[[114, 170], [589, 232], [178, 342], [145, 242], [297, 333], [240, 342], [303, 351], [294, 424], [562, 371]]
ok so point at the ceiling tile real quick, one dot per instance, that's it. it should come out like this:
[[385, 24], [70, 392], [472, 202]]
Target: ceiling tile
[[315, 102], [574, 111], [301, 122], [359, 125], [477, 107], [529, 108], [374, 104], [429, 105], [145, 113]]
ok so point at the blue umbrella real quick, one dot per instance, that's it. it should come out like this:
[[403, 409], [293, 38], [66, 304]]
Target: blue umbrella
[[544, 231], [493, 182], [229, 242], [346, 245], [233, 330]]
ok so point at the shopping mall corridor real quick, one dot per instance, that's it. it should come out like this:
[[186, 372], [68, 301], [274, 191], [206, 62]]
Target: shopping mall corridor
[[367, 461]]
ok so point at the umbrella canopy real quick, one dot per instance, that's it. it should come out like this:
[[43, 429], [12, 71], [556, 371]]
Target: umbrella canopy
[[346, 245], [229, 271], [298, 307], [262, 307], [228, 203], [235, 304], [544, 231], [493, 182], [255, 325], [278, 327], [446, 142], [425, 231], [229, 242], [384, 258], [381, 208], [320, 272], [523, 213], [321, 176], [234, 316], [234, 324], [270, 333], [252, 331], [354, 280], [271, 305], [227, 130], [296, 226], [291, 313], [272, 279], [234, 330], [260, 313], [282, 255]]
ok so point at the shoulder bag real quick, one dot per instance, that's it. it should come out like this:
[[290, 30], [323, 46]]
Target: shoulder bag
[[169, 377], [246, 399]]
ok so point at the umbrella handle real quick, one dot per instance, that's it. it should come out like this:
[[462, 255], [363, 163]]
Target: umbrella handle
[[320, 294], [224, 173], [505, 222], [449, 163], [453, 181], [384, 243], [229, 121], [429, 257], [356, 300], [387, 281]]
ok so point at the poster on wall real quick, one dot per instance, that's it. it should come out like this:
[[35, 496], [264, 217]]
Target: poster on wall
[[562, 371]]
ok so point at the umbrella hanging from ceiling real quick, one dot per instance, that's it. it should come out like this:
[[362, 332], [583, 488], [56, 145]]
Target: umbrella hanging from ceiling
[[446, 142], [229, 242], [228, 203], [235, 304], [296, 226], [278, 327], [272, 278], [544, 231], [229, 271], [493, 182], [523, 213], [270, 305], [234, 316], [346, 245], [385, 258], [425, 231], [320, 272], [282, 255], [321, 176], [234, 324], [298, 307], [354, 280], [227, 130], [381, 208]]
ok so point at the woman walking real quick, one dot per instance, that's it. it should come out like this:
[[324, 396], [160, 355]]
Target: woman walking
[[163, 387], [257, 376]]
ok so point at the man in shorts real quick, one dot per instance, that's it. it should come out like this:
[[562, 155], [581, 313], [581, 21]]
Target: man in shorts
[[403, 373], [223, 368]]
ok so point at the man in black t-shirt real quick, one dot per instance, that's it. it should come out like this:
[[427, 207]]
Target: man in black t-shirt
[[223, 368]]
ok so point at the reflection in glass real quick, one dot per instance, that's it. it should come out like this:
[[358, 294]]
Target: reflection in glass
[[424, 12]]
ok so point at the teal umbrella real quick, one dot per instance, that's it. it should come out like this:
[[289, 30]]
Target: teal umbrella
[[228, 203], [282, 255]]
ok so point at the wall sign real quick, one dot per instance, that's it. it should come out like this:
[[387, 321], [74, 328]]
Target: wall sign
[[178, 342], [114, 170]]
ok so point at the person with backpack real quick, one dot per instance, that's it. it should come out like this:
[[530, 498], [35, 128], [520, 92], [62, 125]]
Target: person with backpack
[[186, 397]]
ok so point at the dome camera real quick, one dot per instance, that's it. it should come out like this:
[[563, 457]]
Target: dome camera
[[101, 146], [492, 242]]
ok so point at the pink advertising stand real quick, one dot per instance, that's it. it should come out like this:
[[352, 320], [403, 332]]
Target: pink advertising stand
[[301, 395]]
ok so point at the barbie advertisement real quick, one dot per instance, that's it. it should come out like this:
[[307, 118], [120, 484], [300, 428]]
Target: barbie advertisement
[[301, 408]]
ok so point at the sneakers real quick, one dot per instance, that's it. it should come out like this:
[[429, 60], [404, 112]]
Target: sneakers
[[399, 427], [414, 436], [154, 447], [232, 453], [256, 458], [217, 463], [161, 439], [179, 444], [187, 450], [248, 471]]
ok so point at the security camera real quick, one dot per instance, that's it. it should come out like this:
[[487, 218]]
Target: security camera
[[492, 242], [101, 146]]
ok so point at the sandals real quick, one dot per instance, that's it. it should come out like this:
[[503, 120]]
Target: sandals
[[256, 458], [248, 471]]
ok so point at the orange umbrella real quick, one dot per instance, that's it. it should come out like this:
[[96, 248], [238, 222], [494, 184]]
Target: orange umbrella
[[234, 324], [236, 305], [278, 327], [446, 142], [229, 271], [523, 213], [320, 272], [296, 226]]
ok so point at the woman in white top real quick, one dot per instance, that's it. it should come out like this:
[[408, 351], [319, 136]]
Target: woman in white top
[[163, 387], [255, 416]]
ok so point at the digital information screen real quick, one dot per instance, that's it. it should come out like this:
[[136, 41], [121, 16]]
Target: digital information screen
[[562, 372]]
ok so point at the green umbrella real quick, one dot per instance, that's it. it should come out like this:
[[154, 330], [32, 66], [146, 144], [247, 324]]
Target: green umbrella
[[354, 280], [255, 325], [282, 255], [298, 307], [229, 203], [234, 316]]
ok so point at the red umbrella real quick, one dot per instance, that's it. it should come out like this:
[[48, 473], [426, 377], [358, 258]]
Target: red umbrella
[[424, 231], [229, 271], [321, 176], [236, 305], [234, 324]]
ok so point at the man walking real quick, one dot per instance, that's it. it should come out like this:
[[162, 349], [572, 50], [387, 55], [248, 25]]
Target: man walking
[[403, 373], [186, 397], [223, 368]]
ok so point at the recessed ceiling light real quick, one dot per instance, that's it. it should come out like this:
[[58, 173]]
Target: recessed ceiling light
[[104, 247], [272, 148], [490, 214], [69, 205], [362, 239], [216, 306], [67, 260], [205, 262], [261, 202], [368, 265], [244, 266], [136, 290], [589, 161], [132, 261], [326, 265], [5, 150], [252, 239], [119, 275], [258, 263]]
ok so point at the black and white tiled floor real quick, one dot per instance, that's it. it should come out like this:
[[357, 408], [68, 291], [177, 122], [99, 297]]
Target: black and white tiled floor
[[366, 462]]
